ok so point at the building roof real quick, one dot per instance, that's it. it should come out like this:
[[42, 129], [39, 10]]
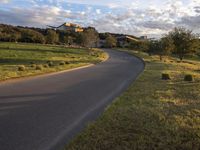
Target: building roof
[[70, 25]]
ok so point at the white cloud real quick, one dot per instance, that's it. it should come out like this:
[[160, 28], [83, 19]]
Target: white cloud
[[4, 1], [132, 17], [98, 11]]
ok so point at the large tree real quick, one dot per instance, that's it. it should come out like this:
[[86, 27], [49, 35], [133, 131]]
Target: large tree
[[111, 41], [29, 35], [166, 46], [52, 37], [183, 40], [89, 38]]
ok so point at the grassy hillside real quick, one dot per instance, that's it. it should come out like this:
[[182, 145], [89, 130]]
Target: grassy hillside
[[152, 113], [34, 59]]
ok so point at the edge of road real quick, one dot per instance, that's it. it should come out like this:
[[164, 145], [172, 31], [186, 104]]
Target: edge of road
[[104, 105]]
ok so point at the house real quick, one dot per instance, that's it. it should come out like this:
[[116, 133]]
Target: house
[[69, 27], [124, 40], [143, 38]]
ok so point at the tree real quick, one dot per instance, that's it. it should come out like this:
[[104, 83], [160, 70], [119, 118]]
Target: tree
[[90, 38], [15, 37], [111, 41], [29, 35], [167, 46], [68, 40], [52, 37], [195, 45], [154, 47], [183, 40]]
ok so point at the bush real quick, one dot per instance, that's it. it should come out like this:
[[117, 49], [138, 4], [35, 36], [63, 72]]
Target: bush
[[21, 68], [38, 67], [188, 77], [33, 65], [50, 63], [62, 63], [66, 62], [45, 65], [165, 76]]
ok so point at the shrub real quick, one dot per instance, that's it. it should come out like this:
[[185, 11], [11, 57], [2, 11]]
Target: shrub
[[165, 76], [38, 67], [62, 63], [21, 68], [33, 65], [45, 65], [67, 62], [50, 63], [188, 77]]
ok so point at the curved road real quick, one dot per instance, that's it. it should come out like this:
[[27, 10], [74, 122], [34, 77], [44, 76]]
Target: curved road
[[45, 112]]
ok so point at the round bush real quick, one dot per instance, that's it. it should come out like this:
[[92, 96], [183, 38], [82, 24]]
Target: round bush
[[45, 65], [66, 62], [50, 63], [62, 63], [165, 76], [33, 65], [21, 68], [188, 77], [38, 67]]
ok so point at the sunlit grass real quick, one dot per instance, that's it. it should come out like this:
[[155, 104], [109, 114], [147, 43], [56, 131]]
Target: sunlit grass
[[152, 113], [13, 55]]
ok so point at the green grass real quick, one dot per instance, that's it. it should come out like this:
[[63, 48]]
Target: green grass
[[152, 113], [14, 55]]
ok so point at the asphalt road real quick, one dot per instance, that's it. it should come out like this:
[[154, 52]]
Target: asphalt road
[[45, 112]]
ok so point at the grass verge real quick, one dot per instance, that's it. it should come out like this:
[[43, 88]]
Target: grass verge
[[152, 113], [19, 59]]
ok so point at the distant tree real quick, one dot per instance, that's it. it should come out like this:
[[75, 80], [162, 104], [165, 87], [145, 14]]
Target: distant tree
[[111, 41], [68, 40], [183, 40], [154, 47], [133, 44], [166, 46], [15, 37], [89, 38], [39, 38], [29, 35], [103, 36], [196, 45], [144, 46], [52, 37]]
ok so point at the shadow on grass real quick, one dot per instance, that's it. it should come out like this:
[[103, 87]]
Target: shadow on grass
[[42, 51], [13, 61], [21, 61]]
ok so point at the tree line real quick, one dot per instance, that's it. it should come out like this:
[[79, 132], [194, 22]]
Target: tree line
[[89, 38], [180, 42], [9, 33]]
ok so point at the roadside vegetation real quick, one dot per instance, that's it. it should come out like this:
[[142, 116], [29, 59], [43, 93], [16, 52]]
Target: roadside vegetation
[[153, 113], [180, 42], [21, 59], [161, 109]]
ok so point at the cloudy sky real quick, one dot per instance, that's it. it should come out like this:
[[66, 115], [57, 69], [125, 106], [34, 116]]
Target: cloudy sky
[[137, 17]]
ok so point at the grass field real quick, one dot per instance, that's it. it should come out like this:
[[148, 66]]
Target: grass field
[[152, 113], [34, 59]]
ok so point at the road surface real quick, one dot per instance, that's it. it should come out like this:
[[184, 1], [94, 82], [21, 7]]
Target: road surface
[[45, 112]]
